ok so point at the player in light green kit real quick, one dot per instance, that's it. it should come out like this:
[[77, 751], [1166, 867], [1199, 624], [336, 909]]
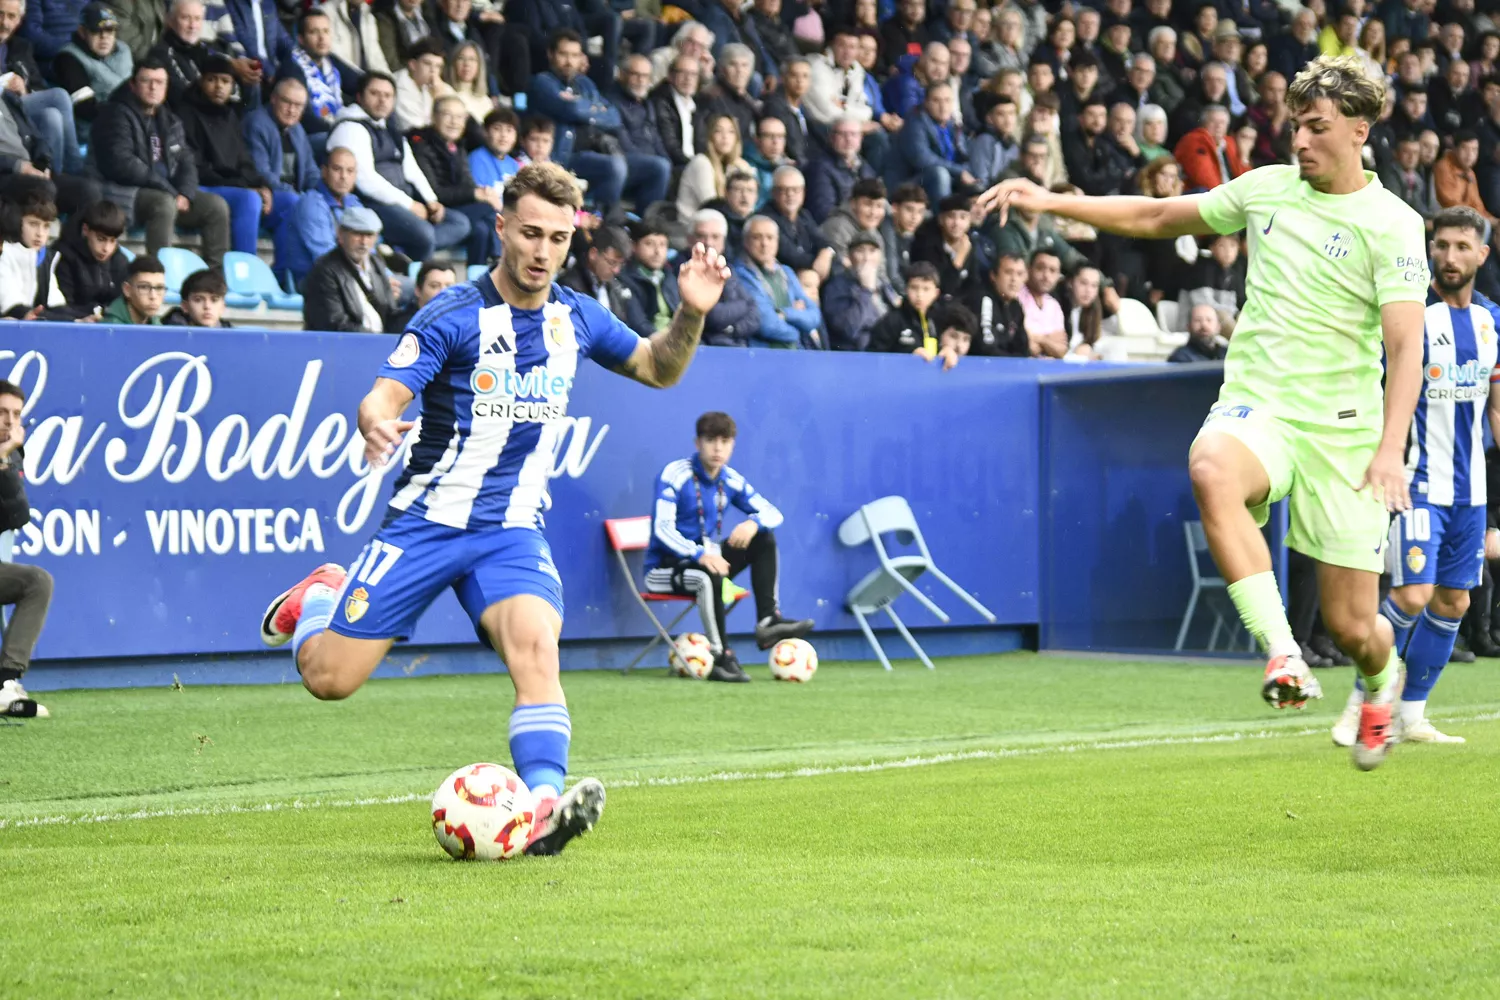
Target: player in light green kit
[[1338, 269]]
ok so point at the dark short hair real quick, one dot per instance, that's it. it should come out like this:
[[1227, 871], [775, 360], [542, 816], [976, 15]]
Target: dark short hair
[[427, 45], [1049, 100], [38, 207], [643, 228], [958, 317], [714, 424], [436, 264], [954, 203], [739, 177], [1413, 88], [612, 238], [907, 193], [150, 62], [868, 187], [311, 13], [105, 218], [502, 116], [209, 281], [560, 35], [11, 389], [532, 124], [1458, 217], [371, 77], [1008, 255], [920, 270], [1043, 251], [1464, 135], [146, 263], [1093, 101]]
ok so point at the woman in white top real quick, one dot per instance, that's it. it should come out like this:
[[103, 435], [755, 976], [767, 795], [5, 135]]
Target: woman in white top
[[1091, 336], [703, 177]]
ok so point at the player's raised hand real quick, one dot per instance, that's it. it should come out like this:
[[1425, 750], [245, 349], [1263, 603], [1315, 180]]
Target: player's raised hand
[[382, 440], [1018, 193], [701, 279], [1386, 476]]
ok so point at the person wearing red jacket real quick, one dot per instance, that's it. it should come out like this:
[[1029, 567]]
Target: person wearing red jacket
[[1206, 156]]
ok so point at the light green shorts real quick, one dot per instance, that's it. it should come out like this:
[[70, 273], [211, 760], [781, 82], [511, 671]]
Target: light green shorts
[[1321, 469]]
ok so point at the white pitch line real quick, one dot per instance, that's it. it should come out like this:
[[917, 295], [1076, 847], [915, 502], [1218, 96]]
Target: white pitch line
[[930, 760]]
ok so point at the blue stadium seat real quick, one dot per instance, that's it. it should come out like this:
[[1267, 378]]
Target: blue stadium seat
[[251, 282], [126, 252], [178, 263], [413, 268], [477, 271]]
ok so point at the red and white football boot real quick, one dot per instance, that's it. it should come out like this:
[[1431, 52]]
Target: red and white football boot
[[1289, 683], [280, 619]]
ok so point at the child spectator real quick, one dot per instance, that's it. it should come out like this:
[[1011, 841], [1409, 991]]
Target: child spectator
[[202, 301], [141, 294], [492, 164], [26, 227], [910, 329], [959, 327], [83, 270], [537, 137]]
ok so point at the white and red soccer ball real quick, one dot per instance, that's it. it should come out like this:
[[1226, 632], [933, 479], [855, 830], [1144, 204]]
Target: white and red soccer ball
[[483, 811], [695, 657], [793, 660]]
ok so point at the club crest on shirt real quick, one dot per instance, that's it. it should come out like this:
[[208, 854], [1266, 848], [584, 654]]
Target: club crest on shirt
[[406, 352], [1338, 246], [356, 604], [557, 324], [1415, 559]]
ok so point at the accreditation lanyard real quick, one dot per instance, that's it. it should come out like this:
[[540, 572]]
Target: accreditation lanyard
[[711, 544]]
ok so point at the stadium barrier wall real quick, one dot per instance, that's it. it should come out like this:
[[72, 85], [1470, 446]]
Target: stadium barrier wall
[[179, 479]]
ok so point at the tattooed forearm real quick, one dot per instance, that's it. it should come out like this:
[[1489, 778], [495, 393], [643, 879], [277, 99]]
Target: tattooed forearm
[[672, 348], [660, 360]]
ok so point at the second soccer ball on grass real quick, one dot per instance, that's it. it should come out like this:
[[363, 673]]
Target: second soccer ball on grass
[[695, 655], [794, 660]]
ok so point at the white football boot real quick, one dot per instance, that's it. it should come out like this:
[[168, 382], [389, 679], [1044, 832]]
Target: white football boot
[[1346, 730], [1419, 732], [1289, 683], [16, 703]]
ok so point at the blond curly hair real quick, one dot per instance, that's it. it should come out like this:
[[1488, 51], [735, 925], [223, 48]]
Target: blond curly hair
[[1344, 80]]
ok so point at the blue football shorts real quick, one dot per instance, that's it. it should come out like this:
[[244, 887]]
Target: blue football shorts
[[1441, 545], [410, 560]]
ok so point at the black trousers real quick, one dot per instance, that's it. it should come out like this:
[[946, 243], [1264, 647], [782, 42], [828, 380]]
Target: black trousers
[[691, 579]]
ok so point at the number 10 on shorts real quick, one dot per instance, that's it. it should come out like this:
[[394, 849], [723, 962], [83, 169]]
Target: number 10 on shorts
[[376, 561]]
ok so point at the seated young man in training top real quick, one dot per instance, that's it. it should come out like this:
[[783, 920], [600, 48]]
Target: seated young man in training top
[[690, 555]]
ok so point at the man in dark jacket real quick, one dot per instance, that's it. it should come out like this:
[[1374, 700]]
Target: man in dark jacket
[[349, 289], [85, 263], [596, 273], [331, 83], [855, 300], [440, 153], [1095, 164], [678, 114], [736, 318], [730, 94], [184, 52], [802, 246], [140, 153], [49, 24], [1204, 342], [774, 33], [649, 275], [639, 134], [214, 133], [831, 178], [27, 588], [540, 19], [787, 104]]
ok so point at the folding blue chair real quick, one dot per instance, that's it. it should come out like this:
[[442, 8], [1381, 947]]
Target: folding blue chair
[[252, 282], [881, 586], [178, 263]]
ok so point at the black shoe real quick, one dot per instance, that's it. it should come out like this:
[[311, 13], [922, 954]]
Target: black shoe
[[574, 813], [770, 631], [1461, 652], [1313, 658], [1329, 650], [727, 669], [1484, 644]]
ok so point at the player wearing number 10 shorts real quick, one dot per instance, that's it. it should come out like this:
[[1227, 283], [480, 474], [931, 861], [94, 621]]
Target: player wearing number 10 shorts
[[494, 362], [1337, 269]]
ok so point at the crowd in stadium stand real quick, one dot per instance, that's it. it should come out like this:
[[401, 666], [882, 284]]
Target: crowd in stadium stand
[[832, 148]]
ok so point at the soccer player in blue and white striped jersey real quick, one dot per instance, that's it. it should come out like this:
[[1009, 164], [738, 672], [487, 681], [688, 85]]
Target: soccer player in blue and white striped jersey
[[1436, 552], [494, 363]]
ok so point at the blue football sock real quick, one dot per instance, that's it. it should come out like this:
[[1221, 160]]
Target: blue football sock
[[1400, 621], [1427, 654], [539, 738], [317, 611]]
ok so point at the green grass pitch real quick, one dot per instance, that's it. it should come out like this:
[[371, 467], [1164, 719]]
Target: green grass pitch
[[1007, 826]]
